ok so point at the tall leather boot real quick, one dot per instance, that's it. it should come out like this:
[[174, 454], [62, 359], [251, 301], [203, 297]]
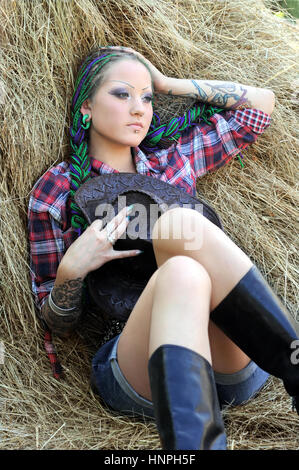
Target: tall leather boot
[[185, 400], [254, 318]]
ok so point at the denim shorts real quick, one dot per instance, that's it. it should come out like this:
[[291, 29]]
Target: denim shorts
[[109, 382]]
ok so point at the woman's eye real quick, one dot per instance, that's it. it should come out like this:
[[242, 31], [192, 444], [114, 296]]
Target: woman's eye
[[147, 98]]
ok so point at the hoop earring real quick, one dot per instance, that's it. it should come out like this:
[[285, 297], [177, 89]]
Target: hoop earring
[[87, 126]]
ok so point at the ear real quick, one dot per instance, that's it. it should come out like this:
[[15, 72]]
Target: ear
[[85, 108]]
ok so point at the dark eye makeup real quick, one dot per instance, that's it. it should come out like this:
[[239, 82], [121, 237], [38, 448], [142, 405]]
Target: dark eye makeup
[[121, 93]]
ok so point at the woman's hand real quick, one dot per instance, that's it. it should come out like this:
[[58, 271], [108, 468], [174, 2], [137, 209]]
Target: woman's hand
[[158, 77], [92, 249]]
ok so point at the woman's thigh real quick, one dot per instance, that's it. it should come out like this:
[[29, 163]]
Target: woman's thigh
[[133, 345]]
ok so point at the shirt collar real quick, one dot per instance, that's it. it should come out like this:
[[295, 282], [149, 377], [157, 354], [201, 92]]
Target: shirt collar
[[143, 164]]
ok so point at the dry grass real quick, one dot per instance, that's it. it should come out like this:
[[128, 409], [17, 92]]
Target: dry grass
[[228, 40]]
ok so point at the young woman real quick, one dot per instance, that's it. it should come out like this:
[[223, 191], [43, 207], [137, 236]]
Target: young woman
[[196, 336]]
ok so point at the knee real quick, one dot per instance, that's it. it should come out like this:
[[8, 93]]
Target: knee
[[177, 221], [185, 272]]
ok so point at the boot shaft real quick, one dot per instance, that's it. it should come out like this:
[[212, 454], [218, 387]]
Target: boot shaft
[[185, 400], [254, 318]]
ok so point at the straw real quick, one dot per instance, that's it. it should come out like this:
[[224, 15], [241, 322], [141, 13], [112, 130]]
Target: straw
[[42, 44]]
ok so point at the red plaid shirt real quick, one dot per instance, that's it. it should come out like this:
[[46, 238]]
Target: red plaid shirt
[[202, 148]]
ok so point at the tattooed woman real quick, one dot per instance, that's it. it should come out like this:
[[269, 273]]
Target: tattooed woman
[[195, 339]]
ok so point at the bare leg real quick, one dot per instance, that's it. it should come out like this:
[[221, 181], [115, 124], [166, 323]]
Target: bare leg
[[225, 262], [180, 312], [173, 309]]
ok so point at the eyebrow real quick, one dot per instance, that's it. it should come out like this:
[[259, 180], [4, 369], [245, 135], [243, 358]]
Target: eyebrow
[[128, 84]]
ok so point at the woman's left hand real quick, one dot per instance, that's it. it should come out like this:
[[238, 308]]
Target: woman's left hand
[[158, 78]]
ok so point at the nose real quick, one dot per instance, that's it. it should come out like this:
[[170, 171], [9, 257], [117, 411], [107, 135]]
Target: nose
[[138, 107]]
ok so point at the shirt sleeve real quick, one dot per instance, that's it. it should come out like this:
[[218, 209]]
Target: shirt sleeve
[[46, 238], [210, 146]]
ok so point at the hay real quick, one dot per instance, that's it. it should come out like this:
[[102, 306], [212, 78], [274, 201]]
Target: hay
[[42, 42]]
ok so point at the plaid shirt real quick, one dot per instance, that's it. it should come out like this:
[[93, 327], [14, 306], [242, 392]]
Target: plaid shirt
[[200, 149]]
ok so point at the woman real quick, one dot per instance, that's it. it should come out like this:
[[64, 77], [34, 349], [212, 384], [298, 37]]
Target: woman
[[189, 344]]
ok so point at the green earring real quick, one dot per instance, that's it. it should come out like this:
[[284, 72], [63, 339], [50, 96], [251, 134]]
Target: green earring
[[87, 126]]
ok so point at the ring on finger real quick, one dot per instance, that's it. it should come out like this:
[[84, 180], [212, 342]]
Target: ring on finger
[[110, 239], [109, 236]]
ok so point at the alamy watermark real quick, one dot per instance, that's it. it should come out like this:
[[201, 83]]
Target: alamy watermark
[[178, 226], [295, 354]]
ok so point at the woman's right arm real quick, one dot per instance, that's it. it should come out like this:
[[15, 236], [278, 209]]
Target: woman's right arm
[[54, 269], [87, 253]]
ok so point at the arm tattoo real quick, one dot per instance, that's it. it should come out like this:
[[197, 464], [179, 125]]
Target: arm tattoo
[[226, 91], [201, 93], [66, 295], [183, 95], [221, 93]]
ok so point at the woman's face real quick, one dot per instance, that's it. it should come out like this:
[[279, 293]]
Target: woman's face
[[123, 98]]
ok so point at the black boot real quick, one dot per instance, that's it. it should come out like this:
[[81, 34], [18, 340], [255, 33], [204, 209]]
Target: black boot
[[185, 400], [254, 318]]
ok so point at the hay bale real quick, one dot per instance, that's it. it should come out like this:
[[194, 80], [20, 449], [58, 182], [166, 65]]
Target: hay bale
[[42, 43]]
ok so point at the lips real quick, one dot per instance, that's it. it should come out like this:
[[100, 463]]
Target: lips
[[136, 124]]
